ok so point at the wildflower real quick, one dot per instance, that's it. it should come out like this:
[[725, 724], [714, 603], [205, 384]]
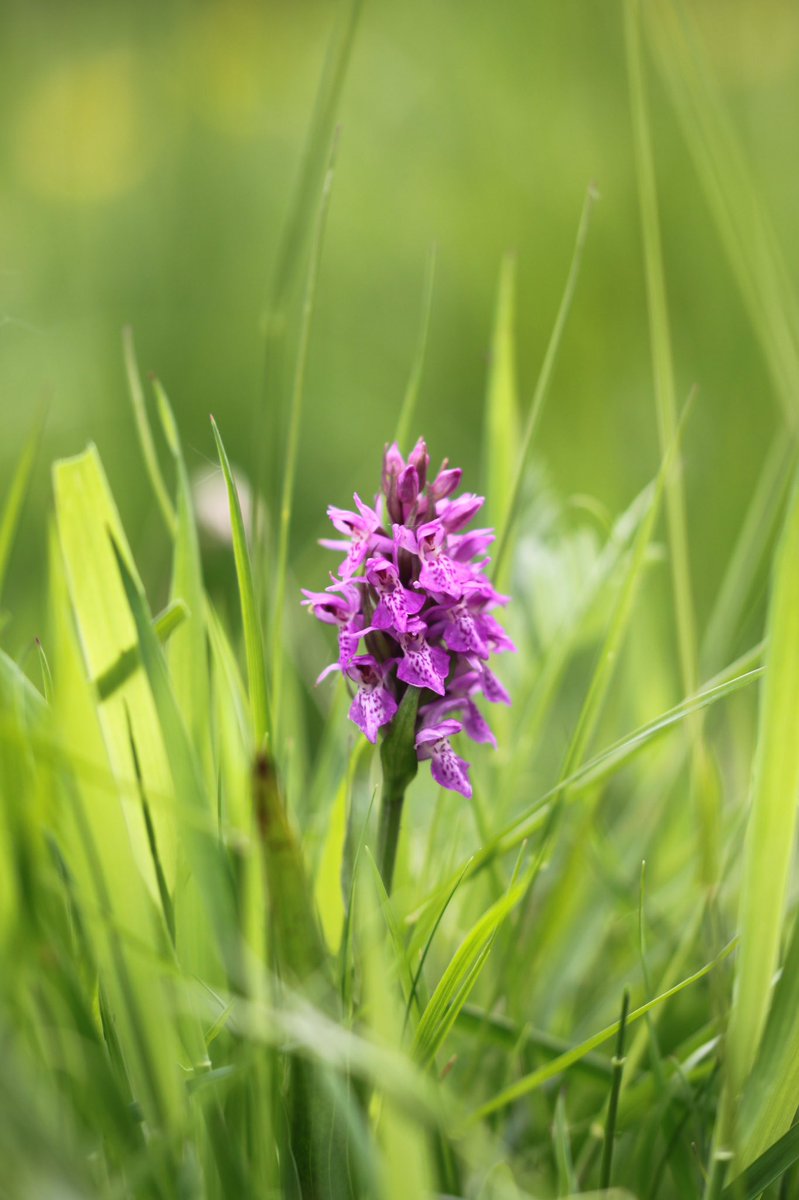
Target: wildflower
[[412, 589]]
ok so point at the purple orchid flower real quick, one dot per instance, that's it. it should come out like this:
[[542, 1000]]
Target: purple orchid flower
[[415, 591], [360, 528], [446, 767], [373, 705], [398, 604]]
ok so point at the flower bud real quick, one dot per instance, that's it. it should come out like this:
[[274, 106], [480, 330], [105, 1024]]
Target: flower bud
[[446, 481], [393, 466], [420, 459]]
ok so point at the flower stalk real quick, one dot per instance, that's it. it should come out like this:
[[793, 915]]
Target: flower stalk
[[414, 610], [400, 764]]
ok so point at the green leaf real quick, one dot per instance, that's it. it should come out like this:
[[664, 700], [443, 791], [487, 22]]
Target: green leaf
[[85, 515], [202, 848]]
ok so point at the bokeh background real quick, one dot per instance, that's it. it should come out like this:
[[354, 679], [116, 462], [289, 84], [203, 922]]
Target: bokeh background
[[148, 159]]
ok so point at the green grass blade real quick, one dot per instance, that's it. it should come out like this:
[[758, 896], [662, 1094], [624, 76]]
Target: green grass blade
[[613, 1104], [502, 401], [601, 767], [15, 498], [567, 1179], [660, 340], [85, 514], [313, 163], [410, 400], [107, 880], [460, 976], [611, 647], [771, 826], [203, 851], [770, 1100], [753, 548], [766, 1169], [251, 624], [188, 649], [145, 433], [269, 414], [544, 378], [536, 1079], [120, 671], [293, 436], [733, 199]]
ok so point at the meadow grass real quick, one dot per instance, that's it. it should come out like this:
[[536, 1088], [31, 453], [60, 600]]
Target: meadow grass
[[584, 979]]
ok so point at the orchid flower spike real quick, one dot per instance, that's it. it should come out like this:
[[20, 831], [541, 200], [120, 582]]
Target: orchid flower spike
[[412, 588]]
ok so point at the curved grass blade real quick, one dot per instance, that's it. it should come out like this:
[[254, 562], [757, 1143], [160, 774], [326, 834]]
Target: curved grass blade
[[146, 441], [253, 638], [408, 410], [15, 498], [461, 975]]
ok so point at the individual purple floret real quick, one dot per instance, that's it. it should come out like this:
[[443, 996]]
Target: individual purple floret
[[412, 587]]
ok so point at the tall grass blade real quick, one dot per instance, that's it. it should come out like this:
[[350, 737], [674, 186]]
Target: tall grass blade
[[613, 1103], [293, 436], [411, 397], [203, 850], [85, 514], [269, 412], [109, 885], [502, 400], [771, 1097], [753, 547], [251, 623], [771, 829], [733, 199], [145, 433], [660, 340], [544, 379]]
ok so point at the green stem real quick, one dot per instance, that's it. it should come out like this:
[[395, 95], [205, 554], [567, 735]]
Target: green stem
[[398, 759], [391, 799]]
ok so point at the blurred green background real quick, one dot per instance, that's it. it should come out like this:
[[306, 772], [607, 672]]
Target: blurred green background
[[148, 156]]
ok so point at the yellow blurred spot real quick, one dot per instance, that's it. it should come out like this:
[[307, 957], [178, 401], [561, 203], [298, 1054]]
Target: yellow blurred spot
[[81, 133], [228, 45]]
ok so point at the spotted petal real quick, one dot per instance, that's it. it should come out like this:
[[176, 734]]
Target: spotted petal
[[371, 708], [422, 665]]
